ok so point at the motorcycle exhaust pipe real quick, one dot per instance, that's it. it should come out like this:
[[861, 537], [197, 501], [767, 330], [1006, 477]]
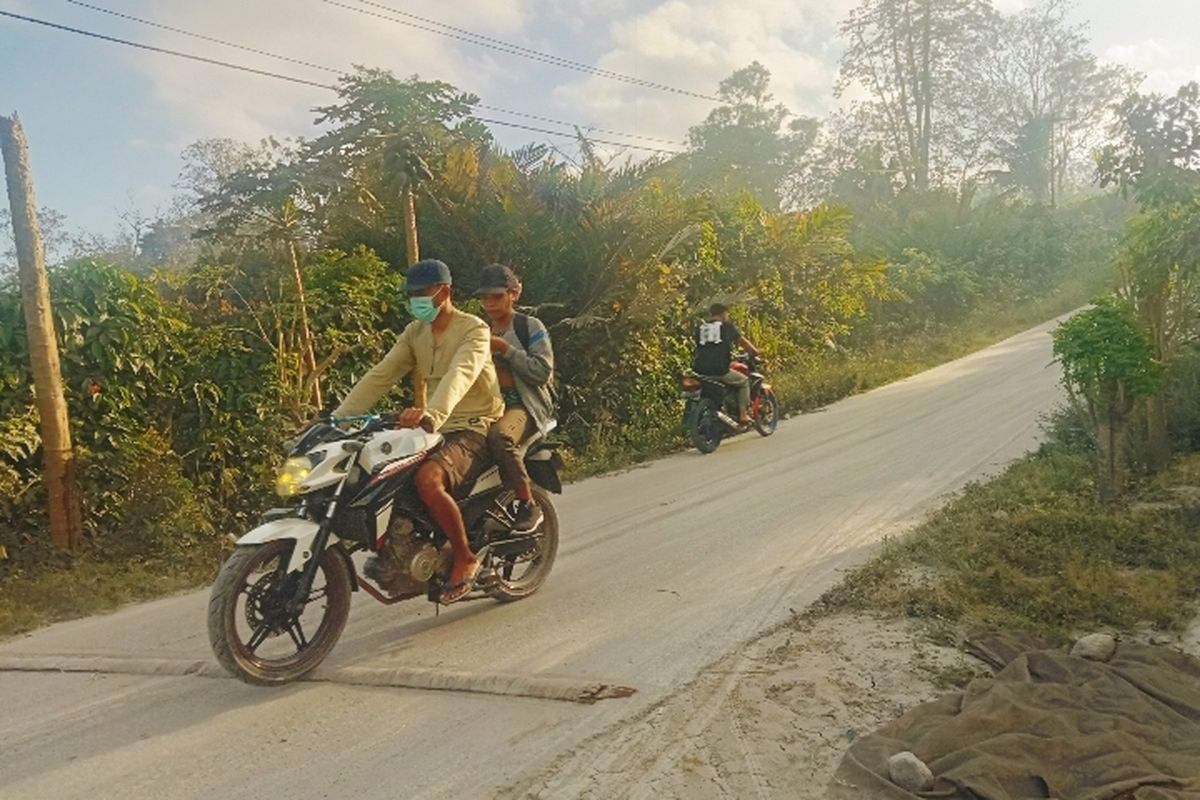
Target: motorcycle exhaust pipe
[[728, 420]]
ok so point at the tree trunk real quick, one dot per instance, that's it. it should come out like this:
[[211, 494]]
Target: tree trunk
[[1110, 464], [66, 518], [925, 108], [306, 338], [1053, 167], [411, 246], [1157, 319], [1158, 451], [413, 251]]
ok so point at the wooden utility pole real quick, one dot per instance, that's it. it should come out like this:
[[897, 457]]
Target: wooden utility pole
[[66, 518], [412, 250]]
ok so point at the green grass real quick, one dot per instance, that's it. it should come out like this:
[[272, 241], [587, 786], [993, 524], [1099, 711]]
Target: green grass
[[1034, 551], [51, 594]]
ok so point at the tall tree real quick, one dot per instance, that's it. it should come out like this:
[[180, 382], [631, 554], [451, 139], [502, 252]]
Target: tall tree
[[1156, 155], [66, 520], [750, 142], [914, 59], [1156, 159], [1048, 98], [386, 140]]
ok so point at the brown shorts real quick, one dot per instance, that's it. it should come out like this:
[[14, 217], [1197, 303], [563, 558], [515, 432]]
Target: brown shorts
[[464, 456]]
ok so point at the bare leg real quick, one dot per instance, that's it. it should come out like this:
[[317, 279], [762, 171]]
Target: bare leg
[[433, 488]]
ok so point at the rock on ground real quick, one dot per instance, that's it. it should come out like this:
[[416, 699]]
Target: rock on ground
[[1095, 646], [909, 772]]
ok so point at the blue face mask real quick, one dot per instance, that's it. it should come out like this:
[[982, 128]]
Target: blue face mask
[[423, 308]]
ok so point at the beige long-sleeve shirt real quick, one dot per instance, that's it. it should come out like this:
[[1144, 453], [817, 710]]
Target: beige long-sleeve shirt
[[463, 391]]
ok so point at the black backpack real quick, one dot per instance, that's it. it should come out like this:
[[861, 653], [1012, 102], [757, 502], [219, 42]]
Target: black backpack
[[521, 327]]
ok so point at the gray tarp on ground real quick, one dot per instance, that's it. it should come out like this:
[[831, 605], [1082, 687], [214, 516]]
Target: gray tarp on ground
[[1048, 725]]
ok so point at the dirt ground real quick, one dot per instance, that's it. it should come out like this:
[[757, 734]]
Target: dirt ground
[[769, 721], [774, 719]]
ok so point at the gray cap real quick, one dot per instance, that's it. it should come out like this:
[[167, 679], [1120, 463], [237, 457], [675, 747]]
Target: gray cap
[[424, 274], [496, 278]]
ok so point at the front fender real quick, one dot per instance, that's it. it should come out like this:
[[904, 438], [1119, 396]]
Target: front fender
[[302, 531]]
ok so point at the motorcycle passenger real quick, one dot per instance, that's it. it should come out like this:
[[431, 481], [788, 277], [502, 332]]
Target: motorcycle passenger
[[451, 349], [524, 363], [715, 340]]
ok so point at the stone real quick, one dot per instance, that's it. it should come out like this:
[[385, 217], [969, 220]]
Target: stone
[[1161, 638], [1095, 646], [909, 772]]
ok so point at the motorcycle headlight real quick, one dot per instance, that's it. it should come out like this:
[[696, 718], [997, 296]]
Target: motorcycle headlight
[[295, 472]]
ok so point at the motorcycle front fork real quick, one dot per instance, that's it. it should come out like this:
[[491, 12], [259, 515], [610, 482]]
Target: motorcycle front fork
[[309, 573]]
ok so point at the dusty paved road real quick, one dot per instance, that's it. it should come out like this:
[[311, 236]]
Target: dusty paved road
[[662, 570]]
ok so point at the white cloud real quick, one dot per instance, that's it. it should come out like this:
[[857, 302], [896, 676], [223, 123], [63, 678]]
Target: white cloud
[[694, 44], [1166, 67], [204, 100]]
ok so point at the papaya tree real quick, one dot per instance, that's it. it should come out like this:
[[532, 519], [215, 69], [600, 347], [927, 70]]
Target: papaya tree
[[1108, 368]]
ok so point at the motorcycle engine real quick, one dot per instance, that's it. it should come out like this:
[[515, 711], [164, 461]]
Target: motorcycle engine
[[409, 563]]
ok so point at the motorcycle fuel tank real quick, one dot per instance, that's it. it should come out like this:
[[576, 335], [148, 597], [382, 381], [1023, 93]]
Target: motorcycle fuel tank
[[387, 446]]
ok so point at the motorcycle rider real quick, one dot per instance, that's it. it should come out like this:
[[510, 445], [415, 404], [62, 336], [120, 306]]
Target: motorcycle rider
[[525, 367], [715, 340], [451, 349]]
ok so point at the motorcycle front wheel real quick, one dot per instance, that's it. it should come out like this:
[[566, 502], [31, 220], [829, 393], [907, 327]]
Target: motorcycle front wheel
[[767, 418], [253, 634]]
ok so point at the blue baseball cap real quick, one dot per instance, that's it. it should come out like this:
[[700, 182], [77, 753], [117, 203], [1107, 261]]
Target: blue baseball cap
[[424, 274]]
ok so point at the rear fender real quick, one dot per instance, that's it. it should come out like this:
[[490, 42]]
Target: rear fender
[[543, 465], [301, 531]]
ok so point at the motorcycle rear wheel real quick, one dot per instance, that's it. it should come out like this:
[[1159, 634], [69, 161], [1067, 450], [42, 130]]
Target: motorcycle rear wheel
[[534, 567], [246, 614], [705, 429]]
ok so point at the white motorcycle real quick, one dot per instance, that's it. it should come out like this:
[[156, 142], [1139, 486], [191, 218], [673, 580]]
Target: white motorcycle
[[282, 598]]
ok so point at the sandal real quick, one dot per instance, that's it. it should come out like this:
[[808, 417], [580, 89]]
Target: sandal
[[453, 592]]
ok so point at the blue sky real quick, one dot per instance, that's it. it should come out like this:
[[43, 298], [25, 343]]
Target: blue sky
[[107, 124]]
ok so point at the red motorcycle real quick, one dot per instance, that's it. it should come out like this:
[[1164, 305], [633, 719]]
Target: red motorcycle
[[710, 406]]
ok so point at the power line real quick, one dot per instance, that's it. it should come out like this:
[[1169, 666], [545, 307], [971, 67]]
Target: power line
[[302, 81], [341, 72], [463, 35], [200, 36], [552, 121], [165, 51]]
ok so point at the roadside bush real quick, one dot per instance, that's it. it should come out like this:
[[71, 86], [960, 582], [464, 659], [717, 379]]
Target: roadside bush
[[139, 506], [1182, 387], [23, 517]]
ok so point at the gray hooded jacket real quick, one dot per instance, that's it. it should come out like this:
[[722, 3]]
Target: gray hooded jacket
[[532, 370]]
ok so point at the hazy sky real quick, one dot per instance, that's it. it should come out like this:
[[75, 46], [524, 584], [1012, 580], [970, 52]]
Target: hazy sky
[[107, 123]]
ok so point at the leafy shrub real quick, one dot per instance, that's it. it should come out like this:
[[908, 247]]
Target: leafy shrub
[[139, 506], [23, 517]]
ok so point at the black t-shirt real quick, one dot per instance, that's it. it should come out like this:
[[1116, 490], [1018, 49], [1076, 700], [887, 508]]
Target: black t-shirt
[[714, 347]]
